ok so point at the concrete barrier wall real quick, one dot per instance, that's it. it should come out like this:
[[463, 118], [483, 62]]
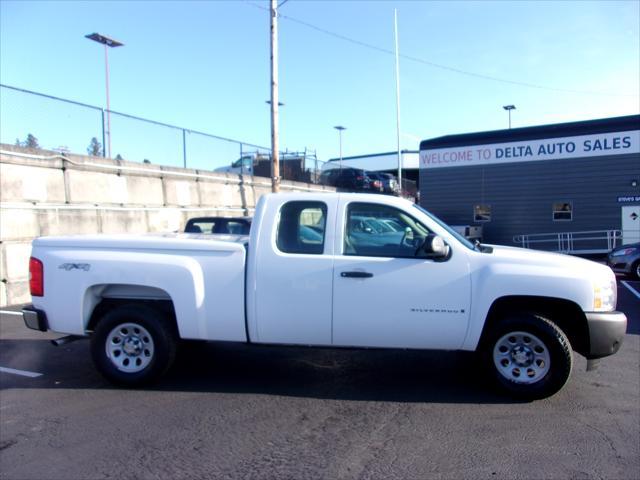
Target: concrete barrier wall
[[43, 193]]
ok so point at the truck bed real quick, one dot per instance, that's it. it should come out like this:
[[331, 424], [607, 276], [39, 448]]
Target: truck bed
[[203, 277]]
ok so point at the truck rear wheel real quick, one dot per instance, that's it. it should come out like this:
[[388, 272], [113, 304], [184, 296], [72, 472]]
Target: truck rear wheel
[[133, 344], [528, 356]]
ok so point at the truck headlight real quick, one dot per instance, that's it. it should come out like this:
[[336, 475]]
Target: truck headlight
[[605, 296]]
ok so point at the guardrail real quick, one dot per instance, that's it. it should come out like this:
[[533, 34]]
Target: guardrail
[[594, 241]]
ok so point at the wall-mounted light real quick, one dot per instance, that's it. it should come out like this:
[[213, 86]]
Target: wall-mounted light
[[634, 183]]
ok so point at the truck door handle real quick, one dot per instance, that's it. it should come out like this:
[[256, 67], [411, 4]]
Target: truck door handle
[[356, 275]]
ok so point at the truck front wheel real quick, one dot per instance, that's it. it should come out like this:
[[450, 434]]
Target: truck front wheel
[[528, 356], [133, 344]]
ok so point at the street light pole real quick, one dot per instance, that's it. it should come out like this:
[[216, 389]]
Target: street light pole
[[340, 128], [508, 108], [106, 70], [107, 42]]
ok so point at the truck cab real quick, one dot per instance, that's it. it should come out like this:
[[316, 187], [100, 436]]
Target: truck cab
[[361, 286], [242, 166]]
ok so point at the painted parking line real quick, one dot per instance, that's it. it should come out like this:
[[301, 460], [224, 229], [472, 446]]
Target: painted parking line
[[22, 373], [631, 289], [8, 312]]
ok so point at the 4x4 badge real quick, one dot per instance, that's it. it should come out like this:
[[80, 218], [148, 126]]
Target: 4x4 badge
[[75, 266]]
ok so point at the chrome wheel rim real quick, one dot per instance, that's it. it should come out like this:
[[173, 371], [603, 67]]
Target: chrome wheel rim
[[521, 357], [129, 347]]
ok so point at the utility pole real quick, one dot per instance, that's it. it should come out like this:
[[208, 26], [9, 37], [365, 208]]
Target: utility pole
[[275, 147], [395, 30]]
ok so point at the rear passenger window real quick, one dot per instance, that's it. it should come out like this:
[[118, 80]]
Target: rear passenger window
[[301, 227]]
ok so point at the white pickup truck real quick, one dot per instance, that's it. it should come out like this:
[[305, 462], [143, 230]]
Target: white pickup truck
[[328, 269]]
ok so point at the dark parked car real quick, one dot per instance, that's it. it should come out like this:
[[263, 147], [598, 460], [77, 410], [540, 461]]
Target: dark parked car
[[353, 179], [219, 225], [389, 182], [626, 260]]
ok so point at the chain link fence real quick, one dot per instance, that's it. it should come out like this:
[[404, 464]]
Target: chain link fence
[[38, 120]]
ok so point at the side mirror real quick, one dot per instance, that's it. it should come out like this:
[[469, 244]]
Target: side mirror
[[433, 247]]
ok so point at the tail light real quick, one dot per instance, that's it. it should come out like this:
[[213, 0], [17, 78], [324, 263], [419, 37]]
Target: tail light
[[359, 177], [377, 183], [36, 277]]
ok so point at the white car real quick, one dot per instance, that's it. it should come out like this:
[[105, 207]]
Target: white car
[[309, 276]]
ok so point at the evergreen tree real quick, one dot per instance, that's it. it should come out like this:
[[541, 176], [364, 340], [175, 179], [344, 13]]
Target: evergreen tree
[[31, 142], [95, 148]]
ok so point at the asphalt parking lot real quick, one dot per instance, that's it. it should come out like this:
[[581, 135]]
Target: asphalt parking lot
[[252, 412]]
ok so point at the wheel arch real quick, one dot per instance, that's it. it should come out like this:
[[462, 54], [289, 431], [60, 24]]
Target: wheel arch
[[635, 272], [567, 315], [99, 299]]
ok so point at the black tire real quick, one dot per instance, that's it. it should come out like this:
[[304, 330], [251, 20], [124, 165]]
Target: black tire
[[635, 270], [528, 356], [140, 333]]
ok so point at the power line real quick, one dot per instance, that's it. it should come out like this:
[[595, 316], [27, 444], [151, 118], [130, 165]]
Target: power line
[[438, 65]]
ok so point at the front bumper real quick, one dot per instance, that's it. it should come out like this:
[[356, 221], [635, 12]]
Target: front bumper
[[606, 331], [620, 266], [35, 319]]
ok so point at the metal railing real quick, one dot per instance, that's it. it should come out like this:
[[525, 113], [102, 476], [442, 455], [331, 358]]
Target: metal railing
[[588, 242]]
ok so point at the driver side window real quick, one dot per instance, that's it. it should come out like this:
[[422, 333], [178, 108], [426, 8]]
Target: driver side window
[[374, 230]]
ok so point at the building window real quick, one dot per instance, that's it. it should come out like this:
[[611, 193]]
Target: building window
[[301, 228], [562, 212], [482, 213]]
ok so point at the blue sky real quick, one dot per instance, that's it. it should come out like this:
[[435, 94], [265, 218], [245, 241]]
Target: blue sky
[[205, 66]]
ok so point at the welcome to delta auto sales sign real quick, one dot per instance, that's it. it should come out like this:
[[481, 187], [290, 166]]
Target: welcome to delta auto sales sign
[[533, 150]]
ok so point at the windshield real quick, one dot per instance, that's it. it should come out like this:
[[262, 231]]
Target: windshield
[[244, 162], [450, 230]]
